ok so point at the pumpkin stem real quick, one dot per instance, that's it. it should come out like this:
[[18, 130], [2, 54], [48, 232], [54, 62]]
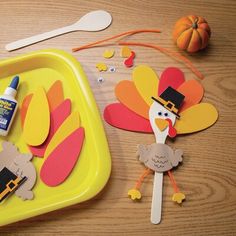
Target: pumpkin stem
[[194, 25]]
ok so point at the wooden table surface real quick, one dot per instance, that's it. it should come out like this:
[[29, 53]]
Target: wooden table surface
[[207, 176]]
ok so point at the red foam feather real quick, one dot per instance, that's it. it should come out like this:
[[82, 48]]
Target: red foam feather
[[59, 164], [56, 119], [118, 115], [172, 77]]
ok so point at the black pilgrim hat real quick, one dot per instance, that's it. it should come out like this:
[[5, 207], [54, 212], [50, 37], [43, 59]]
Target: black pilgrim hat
[[171, 99], [9, 182]]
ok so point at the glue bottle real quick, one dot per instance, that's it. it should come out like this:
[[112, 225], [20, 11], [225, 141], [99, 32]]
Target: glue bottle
[[8, 106]]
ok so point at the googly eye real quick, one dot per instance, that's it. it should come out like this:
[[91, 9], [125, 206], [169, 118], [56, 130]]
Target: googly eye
[[112, 69], [100, 79], [166, 114], [159, 113]]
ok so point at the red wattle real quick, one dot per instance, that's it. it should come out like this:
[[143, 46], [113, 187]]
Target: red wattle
[[172, 131]]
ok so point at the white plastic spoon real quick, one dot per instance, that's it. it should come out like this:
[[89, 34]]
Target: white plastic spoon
[[92, 21]]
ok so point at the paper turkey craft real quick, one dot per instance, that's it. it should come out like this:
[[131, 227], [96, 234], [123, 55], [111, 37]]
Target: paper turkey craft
[[166, 107]]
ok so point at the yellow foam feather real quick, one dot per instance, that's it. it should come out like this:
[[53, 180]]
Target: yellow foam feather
[[37, 120], [69, 125], [146, 81], [196, 118]]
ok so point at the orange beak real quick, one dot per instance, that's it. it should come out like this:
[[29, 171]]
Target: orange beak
[[161, 124]]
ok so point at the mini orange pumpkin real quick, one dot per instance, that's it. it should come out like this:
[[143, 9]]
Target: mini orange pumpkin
[[191, 33]]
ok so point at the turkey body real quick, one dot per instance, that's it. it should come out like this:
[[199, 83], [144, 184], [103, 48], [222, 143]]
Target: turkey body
[[159, 157]]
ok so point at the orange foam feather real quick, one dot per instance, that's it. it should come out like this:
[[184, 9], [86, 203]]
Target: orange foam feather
[[24, 107], [193, 92], [128, 95], [55, 95]]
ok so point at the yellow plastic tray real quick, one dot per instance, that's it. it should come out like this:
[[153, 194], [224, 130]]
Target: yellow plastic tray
[[94, 165]]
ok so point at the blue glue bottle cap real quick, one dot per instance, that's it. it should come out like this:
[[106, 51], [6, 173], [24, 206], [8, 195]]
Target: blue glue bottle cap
[[14, 82], [11, 89]]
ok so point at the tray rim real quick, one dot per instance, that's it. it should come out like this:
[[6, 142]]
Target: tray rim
[[104, 169]]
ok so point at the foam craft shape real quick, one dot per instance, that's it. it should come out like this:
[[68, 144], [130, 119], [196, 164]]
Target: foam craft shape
[[7, 155], [56, 119], [9, 183], [196, 118], [108, 53], [37, 119], [24, 108], [193, 92], [22, 164], [172, 77], [146, 82], [129, 62], [128, 95], [62, 159], [125, 52], [159, 157], [55, 95], [71, 123], [101, 66], [19, 163], [118, 115]]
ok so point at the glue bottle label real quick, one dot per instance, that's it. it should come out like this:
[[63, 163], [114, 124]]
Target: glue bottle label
[[7, 109]]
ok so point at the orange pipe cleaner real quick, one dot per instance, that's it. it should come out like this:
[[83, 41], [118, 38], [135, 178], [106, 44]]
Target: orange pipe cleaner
[[172, 180], [90, 45], [176, 55], [163, 50], [142, 177]]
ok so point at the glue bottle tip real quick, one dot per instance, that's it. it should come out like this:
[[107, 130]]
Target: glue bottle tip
[[14, 82]]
